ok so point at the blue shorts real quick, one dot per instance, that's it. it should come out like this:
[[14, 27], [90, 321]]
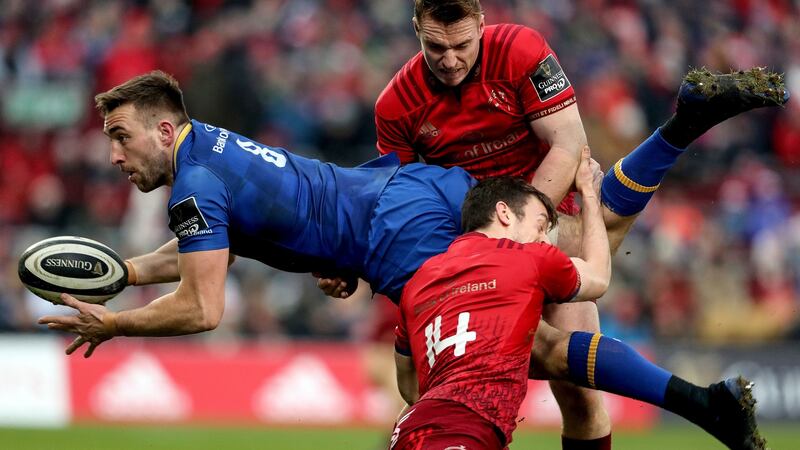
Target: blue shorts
[[418, 215]]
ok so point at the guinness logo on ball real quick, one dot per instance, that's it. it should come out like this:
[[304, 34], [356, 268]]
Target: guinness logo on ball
[[74, 265]]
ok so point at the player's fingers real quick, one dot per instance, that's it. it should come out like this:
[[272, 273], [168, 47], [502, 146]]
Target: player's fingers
[[59, 320], [60, 326], [48, 319], [75, 344], [587, 153], [341, 290], [71, 301], [90, 350]]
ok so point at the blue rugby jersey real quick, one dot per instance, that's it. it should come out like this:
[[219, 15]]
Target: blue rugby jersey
[[289, 212]]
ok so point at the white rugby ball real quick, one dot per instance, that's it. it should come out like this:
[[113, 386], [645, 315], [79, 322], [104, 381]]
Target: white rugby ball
[[81, 267]]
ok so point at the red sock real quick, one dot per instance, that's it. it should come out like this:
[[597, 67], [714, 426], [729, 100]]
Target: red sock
[[603, 443]]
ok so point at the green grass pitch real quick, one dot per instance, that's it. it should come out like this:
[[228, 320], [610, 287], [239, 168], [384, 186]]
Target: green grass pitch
[[98, 437]]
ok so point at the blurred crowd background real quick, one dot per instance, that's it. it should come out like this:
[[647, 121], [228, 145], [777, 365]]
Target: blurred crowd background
[[716, 257]]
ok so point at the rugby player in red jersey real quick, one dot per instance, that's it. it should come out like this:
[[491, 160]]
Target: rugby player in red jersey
[[468, 316]]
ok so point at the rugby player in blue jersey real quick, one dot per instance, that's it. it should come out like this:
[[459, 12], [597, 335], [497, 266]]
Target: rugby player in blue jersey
[[379, 221]]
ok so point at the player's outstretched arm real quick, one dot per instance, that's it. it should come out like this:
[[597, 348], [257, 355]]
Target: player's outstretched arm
[[563, 131], [407, 381], [159, 266], [594, 265], [197, 305]]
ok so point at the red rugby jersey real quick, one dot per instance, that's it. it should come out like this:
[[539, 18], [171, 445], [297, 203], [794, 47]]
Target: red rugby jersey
[[469, 316], [483, 124]]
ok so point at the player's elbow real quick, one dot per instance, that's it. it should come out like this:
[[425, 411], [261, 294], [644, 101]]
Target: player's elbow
[[210, 319], [598, 288], [206, 315]]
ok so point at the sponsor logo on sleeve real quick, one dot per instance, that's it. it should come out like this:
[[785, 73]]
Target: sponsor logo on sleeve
[[549, 79], [186, 219]]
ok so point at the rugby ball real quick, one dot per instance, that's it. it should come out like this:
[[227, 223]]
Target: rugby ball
[[81, 267]]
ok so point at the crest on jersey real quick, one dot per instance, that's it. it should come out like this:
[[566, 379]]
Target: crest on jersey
[[549, 79]]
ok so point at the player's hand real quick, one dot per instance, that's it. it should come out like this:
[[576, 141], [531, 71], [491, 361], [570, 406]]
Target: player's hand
[[585, 176], [597, 175], [336, 287], [93, 324]]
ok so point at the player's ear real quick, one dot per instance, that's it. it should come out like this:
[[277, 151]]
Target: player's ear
[[503, 213], [166, 132], [416, 26], [481, 26]]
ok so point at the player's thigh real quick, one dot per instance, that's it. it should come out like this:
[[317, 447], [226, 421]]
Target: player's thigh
[[580, 316], [442, 425], [429, 439], [568, 234]]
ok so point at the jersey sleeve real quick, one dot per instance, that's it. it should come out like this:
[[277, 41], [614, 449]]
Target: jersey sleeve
[[391, 139], [557, 274], [543, 85], [198, 210], [401, 342]]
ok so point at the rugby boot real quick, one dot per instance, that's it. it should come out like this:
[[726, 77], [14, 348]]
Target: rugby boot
[[706, 99], [733, 419]]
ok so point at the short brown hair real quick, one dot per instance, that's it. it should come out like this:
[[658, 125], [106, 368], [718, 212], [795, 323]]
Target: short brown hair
[[447, 11], [478, 209], [152, 91]]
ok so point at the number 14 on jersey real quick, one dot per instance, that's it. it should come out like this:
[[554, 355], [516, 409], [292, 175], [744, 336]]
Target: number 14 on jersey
[[435, 343]]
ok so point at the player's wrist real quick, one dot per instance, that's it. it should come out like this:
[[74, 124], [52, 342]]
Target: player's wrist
[[111, 325], [132, 275]]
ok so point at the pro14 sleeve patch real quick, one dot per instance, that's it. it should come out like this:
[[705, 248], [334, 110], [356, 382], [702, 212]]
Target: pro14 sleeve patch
[[185, 219], [549, 79]]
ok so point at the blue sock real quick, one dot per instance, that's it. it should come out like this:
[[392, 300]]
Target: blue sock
[[633, 180], [607, 364]]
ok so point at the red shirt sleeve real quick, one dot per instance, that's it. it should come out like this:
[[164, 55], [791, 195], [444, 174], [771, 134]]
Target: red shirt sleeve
[[542, 83], [401, 344], [557, 275], [391, 139]]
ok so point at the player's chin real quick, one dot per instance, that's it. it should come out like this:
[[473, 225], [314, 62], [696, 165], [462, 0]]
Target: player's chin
[[451, 79]]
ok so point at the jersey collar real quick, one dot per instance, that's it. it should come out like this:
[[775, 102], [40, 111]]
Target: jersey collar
[[181, 137]]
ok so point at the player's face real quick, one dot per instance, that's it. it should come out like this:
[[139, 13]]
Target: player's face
[[534, 225], [450, 50], [136, 149]]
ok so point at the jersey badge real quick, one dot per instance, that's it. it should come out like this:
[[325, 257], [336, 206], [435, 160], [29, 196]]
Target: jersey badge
[[549, 79], [185, 219]]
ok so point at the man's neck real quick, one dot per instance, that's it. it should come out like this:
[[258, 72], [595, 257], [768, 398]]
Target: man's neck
[[495, 231]]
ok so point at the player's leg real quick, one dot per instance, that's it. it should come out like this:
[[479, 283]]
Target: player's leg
[[585, 421], [440, 425], [704, 100], [725, 409]]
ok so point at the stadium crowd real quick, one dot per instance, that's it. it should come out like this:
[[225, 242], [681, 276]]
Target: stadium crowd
[[715, 257]]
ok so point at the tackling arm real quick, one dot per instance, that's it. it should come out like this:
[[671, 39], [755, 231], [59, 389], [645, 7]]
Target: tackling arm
[[563, 132], [594, 266]]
